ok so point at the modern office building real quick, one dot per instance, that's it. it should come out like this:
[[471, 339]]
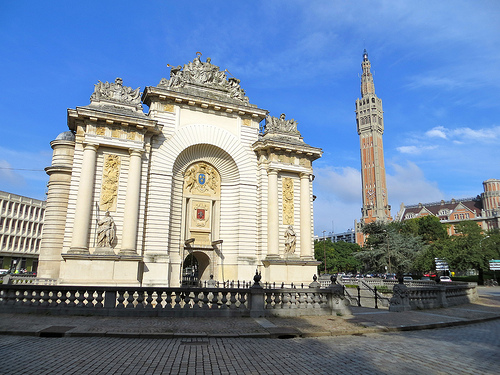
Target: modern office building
[[21, 227]]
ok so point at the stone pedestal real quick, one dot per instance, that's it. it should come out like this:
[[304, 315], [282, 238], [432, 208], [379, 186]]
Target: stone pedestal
[[400, 300], [289, 270], [100, 269]]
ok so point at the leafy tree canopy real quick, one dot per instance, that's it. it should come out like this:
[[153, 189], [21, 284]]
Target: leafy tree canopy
[[339, 256]]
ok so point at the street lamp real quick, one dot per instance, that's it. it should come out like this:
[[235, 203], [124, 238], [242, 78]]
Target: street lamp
[[388, 250], [324, 247]]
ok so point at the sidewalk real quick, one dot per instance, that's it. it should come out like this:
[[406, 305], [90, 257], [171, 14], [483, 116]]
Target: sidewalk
[[363, 320]]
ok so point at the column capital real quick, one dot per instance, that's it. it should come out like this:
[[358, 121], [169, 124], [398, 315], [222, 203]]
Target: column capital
[[304, 175], [90, 145], [272, 171], [135, 152]]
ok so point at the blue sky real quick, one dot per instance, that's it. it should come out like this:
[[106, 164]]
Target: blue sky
[[435, 67]]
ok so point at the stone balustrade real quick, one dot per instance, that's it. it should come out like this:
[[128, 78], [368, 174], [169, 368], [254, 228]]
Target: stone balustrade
[[442, 295], [180, 302]]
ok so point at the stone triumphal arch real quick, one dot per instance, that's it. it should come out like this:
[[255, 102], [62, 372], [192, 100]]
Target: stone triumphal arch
[[194, 187]]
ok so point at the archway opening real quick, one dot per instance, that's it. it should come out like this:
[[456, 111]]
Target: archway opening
[[195, 269]]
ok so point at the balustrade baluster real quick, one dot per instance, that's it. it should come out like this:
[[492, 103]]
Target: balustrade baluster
[[206, 300], [149, 299], [293, 300], [140, 300], [130, 300], [99, 299], [232, 300], [224, 300], [80, 297], [121, 300]]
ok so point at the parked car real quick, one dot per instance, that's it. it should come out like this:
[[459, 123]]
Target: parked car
[[407, 278], [445, 279], [425, 278]]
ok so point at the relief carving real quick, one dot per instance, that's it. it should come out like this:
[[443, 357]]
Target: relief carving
[[109, 187], [201, 178], [116, 132], [288, 207], [100, 130], [201, 215]]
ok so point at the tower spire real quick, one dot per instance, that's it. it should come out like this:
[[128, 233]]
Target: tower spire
[[367, 85]]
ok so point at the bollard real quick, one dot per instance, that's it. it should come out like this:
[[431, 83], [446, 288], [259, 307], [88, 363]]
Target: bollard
[[376, 301]]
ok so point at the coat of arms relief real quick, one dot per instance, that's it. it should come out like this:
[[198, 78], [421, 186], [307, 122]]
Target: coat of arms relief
[[201, 178]]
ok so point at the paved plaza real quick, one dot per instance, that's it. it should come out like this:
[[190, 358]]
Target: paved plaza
[[473, 349], [464, 340]]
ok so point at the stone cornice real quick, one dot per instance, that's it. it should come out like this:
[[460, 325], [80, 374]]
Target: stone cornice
[[290, 262], [102, 257], [163, 94], [310, 152], [123, 119]]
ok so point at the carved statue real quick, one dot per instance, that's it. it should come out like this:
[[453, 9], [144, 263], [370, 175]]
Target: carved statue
[[116, 92], [281, 125], [106, 231], [205, 74], [290, 240]]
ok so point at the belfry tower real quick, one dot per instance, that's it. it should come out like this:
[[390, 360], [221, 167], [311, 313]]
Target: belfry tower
[[370, 125]]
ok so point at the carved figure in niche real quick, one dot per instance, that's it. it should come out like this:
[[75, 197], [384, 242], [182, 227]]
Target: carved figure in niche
[[106, 231], [290, 240]]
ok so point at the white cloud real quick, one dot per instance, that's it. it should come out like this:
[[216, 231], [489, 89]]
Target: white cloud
[[414, 150], [8, 177], [437, 132], [488, 134], [338, 198], [410, 186]]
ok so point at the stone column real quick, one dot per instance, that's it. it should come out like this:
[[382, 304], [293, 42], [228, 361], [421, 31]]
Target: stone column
[[272, 214], [54, 226], [131, 213], [83, 210], [305, 216]]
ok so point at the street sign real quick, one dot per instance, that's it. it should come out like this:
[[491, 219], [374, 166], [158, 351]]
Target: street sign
[[441, 264], [494, 265]]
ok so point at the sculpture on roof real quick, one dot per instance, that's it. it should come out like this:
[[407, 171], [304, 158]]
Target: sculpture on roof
[[116, 92], [281, 125], [204, 74]]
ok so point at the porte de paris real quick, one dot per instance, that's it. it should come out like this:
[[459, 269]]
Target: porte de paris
[[193, 188]]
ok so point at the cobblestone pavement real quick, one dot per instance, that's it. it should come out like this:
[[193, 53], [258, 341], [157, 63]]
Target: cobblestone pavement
[[473, 349]]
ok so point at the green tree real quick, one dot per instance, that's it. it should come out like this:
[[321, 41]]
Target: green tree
[[339, 256], [387, 246], [471, 248], [428, 227]]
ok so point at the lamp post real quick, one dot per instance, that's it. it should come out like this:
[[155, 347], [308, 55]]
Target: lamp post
[[324, 248], [388, 251]]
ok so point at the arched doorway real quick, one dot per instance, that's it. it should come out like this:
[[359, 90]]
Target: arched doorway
[[195, 268]]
